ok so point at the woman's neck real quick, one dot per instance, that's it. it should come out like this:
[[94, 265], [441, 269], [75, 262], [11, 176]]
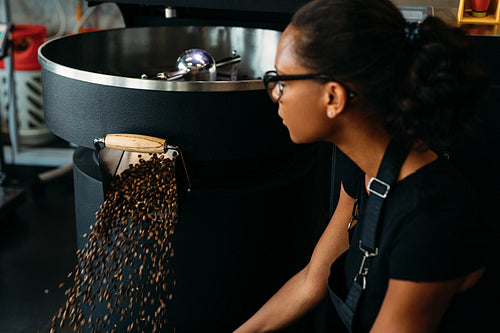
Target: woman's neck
[[366, 151], [366, 143]]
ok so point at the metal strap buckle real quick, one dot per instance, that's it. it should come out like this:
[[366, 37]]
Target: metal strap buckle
[[378, 187], [363, 268]]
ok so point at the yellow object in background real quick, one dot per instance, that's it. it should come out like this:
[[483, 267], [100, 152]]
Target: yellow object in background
[[466, 15]]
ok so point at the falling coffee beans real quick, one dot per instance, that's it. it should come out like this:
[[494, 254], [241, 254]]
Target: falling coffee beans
[[124, 278]]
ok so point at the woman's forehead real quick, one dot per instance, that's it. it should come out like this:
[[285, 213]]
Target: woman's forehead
[[286, 56]]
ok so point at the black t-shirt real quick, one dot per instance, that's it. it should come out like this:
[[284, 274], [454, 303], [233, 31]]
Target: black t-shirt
[[430, 229]]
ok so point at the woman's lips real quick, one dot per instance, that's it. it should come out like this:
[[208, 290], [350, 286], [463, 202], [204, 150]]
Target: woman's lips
[[282, 118]]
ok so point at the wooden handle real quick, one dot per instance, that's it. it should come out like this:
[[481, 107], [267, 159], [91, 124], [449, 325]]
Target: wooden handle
[[135, 143]]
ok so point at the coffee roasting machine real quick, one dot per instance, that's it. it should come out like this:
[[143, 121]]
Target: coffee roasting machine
[[250, 221], [258, 202]]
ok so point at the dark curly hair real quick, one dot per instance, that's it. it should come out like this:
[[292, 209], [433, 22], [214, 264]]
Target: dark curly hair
[[420, 87]]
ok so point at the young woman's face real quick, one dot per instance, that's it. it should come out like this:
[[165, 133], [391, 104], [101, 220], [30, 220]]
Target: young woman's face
[[302, 104]]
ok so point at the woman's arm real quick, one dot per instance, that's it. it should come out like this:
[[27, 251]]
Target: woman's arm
[[308, 287], [413, 306], [417, 307]]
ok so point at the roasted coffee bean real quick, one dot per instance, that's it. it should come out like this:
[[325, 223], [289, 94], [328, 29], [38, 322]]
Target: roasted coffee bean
[[127, 255]]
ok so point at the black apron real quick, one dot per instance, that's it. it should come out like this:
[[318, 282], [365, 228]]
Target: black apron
[[346, 301]]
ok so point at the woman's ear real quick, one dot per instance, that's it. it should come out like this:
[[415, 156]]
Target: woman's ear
[[336, 99]]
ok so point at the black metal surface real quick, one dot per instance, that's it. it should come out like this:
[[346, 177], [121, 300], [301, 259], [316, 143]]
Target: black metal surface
[[89, 194], [245, 228], [207, 126], [250, 221], [254, 14], [144, 16], [100, 93], [281, 6]]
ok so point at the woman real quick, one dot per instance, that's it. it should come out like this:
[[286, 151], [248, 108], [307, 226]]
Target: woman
[[355, 73]]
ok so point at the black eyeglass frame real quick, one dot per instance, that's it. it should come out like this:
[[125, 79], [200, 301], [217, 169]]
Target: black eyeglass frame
[[267, 78]]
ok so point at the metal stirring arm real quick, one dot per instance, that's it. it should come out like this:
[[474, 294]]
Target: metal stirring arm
[[171, 76]]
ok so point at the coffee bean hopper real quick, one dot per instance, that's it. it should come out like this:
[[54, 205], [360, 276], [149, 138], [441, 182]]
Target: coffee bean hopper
[[258, 202]]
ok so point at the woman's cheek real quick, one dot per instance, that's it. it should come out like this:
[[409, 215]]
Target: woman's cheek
[[300, 129]]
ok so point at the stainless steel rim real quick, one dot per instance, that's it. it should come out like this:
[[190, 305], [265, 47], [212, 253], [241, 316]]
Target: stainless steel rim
[[125, 82], [144, 84]]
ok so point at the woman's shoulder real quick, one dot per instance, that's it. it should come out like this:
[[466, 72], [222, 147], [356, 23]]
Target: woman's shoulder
[[441, 187], [438, 184], [348, 173], [441, 230]]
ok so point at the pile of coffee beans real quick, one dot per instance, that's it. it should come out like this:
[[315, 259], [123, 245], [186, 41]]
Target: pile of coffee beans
[[124, 278]]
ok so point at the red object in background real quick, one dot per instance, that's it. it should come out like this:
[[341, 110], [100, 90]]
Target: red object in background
[[480, 5], [27, 39], [90, 29]]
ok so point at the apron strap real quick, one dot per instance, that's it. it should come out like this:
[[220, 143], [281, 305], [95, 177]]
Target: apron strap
[[379, 188]]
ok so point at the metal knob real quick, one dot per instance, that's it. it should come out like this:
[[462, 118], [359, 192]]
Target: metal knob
[[198, 64]]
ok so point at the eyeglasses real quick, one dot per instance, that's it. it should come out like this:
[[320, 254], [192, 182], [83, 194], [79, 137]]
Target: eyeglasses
[[272, 80]]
